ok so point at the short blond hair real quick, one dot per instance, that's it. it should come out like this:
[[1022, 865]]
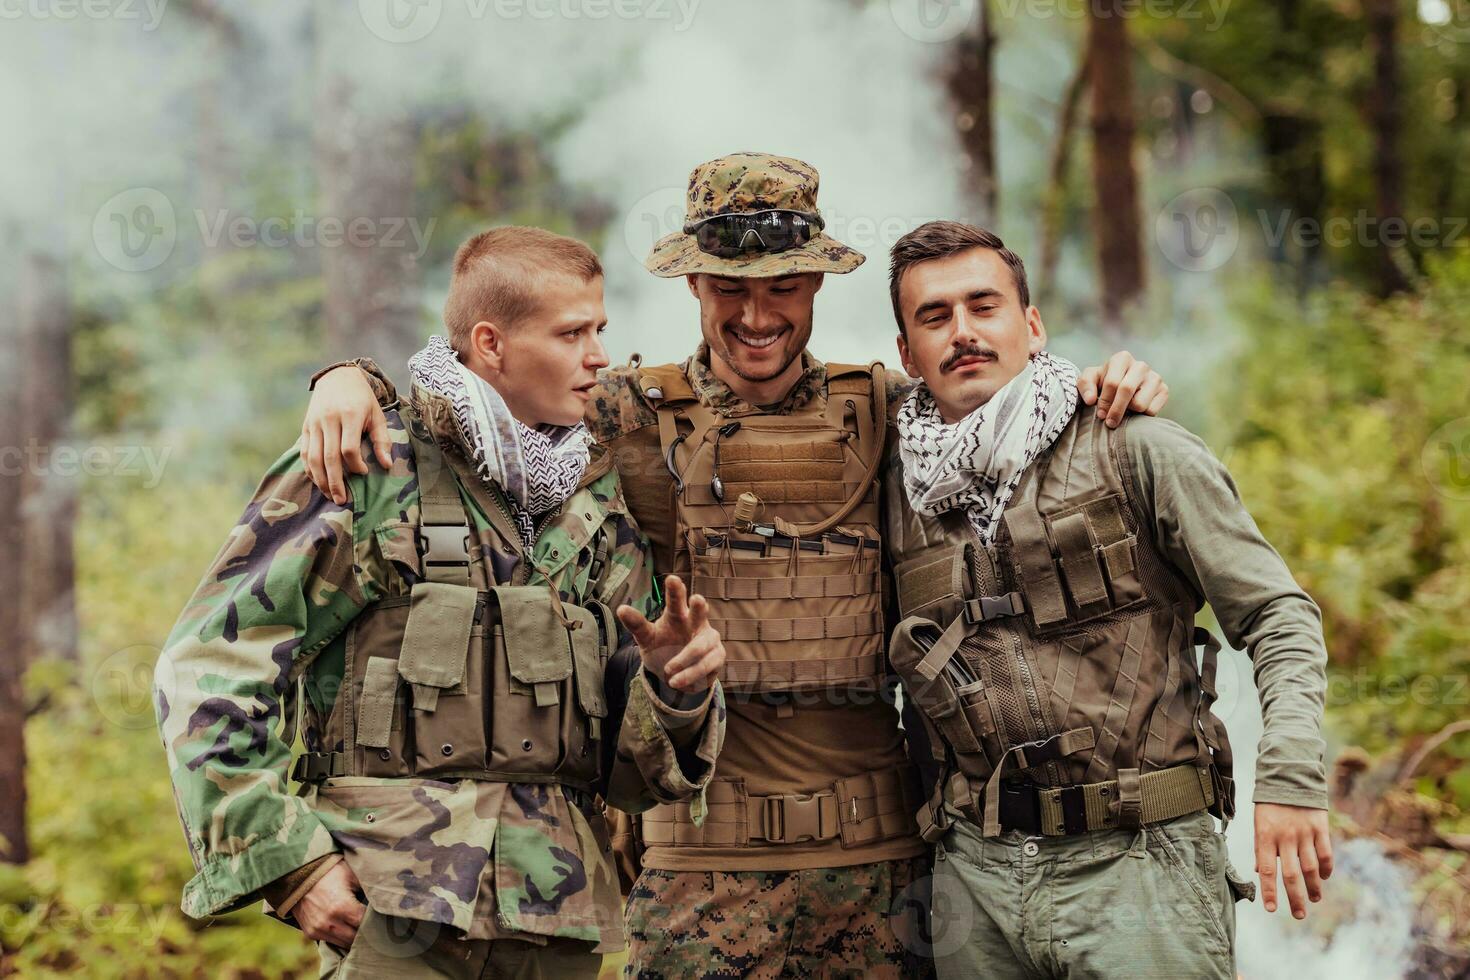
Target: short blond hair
[[496, 273]]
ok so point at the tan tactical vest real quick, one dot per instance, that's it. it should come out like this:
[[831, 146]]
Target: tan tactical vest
[[466, 680], [1058, 664], [777, 527]]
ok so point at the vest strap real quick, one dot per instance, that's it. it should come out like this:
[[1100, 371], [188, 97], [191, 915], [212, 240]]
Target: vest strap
[[1063, 811], [796, 587], [781, 675], [799, 628]]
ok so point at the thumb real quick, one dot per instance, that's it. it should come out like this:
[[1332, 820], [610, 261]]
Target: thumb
[[378, 432], [636, 623]]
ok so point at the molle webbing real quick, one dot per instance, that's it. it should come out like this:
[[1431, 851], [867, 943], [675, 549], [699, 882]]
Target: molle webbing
[[795, 608], [862, 809]]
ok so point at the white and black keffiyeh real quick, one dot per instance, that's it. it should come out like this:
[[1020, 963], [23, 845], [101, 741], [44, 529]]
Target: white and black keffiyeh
[[538, 468], [977, 462]]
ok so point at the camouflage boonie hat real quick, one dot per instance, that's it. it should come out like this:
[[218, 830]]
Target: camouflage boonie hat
[[748, 182]]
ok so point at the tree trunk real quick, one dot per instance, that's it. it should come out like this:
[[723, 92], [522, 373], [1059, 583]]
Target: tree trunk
[[1055, 194], [14, 848], [1388, 171], [48, 626], [970, 79], [1115, 180], [365, 172]]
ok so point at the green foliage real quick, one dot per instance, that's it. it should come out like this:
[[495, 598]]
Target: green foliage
[[1351, 443]]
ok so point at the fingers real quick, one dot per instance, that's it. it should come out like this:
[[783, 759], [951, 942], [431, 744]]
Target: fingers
[[1323, 841], [698, 665], [1087, 384], [698, 613], [1126, 389], [676, 600], [1266, 868], [637, 624], [332, 459], [313, 458], [1159, 401], [1113, 373], [352, 445], [1294, 883], [1311, 876], [1146, 392], [378, 433]]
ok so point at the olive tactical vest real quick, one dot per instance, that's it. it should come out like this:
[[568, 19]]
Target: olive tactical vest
[[1057, 666], [777, 527], [455, 680]]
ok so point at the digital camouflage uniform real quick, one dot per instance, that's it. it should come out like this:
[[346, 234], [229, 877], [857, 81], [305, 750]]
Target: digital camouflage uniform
[[491, 860]]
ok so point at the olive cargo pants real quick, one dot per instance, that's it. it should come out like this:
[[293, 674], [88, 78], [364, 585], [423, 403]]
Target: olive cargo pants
[[406, 949], [1111, 903]]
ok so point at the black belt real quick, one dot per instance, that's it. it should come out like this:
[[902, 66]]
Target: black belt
[[1020, 808]]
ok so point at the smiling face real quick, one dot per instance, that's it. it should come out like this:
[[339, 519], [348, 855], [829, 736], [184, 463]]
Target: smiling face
[[966, 332], [546, 364], [756, 329]]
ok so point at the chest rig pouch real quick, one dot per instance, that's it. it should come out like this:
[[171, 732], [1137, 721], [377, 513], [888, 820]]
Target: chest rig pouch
[[453, 681], [778, 528], [1028, 657]]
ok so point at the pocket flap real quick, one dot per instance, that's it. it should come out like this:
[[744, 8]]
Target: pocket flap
[[588, 649], [537, 647], [436, 639]]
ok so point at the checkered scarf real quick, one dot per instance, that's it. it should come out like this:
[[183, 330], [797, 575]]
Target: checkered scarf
[[538, 468], [977, 462]]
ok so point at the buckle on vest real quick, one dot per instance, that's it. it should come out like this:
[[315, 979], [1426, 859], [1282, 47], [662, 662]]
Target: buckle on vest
[[445, 544], [988, 607], [1020, 807]]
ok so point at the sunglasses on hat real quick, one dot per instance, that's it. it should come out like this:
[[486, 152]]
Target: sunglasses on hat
[[729, 236]]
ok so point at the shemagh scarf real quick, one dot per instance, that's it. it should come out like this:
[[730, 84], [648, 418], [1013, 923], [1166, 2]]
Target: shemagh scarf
[[977, 462], [537, 468]]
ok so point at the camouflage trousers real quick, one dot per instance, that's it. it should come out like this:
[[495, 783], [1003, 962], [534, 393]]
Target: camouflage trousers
[[867, 920], [407, 949], [1156, 903]]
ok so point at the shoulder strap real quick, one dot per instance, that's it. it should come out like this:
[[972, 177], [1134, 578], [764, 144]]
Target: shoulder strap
[[665, 385], [871, 381], [444, 529]]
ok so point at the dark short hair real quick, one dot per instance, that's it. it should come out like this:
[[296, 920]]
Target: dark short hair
[[941, 239], [496, 274]]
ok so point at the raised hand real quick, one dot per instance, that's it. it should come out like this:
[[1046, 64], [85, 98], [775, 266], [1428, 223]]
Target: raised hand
[[682, 647], [1122, 384]]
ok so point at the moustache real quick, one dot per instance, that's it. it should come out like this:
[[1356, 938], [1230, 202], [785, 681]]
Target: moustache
[[970, 351]]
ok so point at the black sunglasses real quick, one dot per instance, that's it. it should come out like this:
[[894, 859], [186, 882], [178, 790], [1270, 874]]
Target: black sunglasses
[[731, 235]]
